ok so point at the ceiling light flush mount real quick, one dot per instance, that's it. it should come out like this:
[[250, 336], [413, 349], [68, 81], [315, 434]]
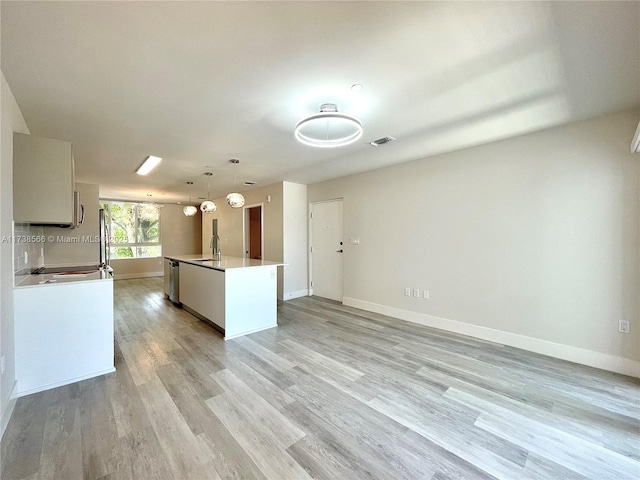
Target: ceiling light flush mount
[[149, 164], [329, 128], [190, 210], [235, 199], [208, 206]]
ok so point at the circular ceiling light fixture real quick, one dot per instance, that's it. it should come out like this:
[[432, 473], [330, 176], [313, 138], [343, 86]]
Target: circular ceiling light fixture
[[190, 210], [235, 199], [208, 206], [328, 129]]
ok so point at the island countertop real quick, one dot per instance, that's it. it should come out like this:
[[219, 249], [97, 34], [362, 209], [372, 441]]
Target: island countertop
[[225, 262]]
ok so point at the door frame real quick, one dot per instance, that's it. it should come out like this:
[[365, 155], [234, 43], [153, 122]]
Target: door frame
[[309, 252], [245, 228]]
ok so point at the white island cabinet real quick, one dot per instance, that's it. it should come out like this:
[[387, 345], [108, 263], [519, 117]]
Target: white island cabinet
[[235, 295]]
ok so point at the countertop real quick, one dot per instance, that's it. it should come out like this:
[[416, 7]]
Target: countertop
[[57, 279], [225, 262]]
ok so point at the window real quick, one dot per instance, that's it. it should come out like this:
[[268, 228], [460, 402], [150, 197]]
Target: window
[[134, 229]]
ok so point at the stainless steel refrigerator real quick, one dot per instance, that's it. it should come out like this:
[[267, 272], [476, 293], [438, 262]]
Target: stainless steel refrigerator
[[105, 250]]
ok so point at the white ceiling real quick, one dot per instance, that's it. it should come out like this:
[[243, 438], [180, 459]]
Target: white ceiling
[[200, 83]]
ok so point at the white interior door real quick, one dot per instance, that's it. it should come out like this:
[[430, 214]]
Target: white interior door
[[327, 249]]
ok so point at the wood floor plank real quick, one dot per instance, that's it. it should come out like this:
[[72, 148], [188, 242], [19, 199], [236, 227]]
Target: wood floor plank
[[228, 457], [489, 460], [319, 360], [99, 434], [332, 393], [574, 422], [271, 458], [277, 397], [375, 437], [265, 354], [585, 458], [21, 452], [258, 411], [182, 450], [62, 445]]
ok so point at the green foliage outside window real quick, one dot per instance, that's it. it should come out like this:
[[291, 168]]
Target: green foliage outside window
[[134, 229]]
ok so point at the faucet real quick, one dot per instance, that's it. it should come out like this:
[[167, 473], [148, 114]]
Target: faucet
[[215, 249]]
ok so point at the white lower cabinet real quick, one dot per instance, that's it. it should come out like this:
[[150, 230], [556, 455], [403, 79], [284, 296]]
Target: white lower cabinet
[[202, 290], [63, 333]]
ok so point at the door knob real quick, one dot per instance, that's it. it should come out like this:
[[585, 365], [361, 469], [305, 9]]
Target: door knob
[[339, 251]]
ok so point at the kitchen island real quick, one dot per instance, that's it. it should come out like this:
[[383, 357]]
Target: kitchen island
[[235, 295]]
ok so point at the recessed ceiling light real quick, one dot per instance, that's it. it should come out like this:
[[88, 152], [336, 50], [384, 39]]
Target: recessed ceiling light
[[149, 164], [356, 87]]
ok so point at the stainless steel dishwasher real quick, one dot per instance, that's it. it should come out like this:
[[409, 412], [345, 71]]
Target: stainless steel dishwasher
[[174, 281]]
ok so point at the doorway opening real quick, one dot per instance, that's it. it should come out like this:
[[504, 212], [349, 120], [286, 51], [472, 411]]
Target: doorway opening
[[253, 228]]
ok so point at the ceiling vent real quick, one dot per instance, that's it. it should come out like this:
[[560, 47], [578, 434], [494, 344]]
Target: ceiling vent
[[635, 143], [248, 183], [382, 141]]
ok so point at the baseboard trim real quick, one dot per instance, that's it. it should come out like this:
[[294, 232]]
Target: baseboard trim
[[298, 294], [42, 388], [8, 411], [582, 356], [250, 332], [129, 276]]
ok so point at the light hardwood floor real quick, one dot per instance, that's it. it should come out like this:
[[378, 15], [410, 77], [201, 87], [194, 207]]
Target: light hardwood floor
[[332, 393]]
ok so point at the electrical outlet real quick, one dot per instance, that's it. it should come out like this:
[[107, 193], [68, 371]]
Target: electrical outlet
[[425, 294], [407, 292], [623, 326], [416, 292]]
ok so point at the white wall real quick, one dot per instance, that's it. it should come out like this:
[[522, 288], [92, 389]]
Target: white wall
[[231, 229], [531, 241], [295, 244], [179, 234], [11, 121], [284, 228]]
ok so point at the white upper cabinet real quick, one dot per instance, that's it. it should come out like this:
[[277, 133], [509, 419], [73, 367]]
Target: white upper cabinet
[[43, 181]]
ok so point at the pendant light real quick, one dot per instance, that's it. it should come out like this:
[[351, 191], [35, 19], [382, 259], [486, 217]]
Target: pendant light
[[208, 206], [235, 199], [190, 210], [149, 210]]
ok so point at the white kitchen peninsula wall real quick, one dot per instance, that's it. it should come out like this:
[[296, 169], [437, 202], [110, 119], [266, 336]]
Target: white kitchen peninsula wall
[[63, 330]]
